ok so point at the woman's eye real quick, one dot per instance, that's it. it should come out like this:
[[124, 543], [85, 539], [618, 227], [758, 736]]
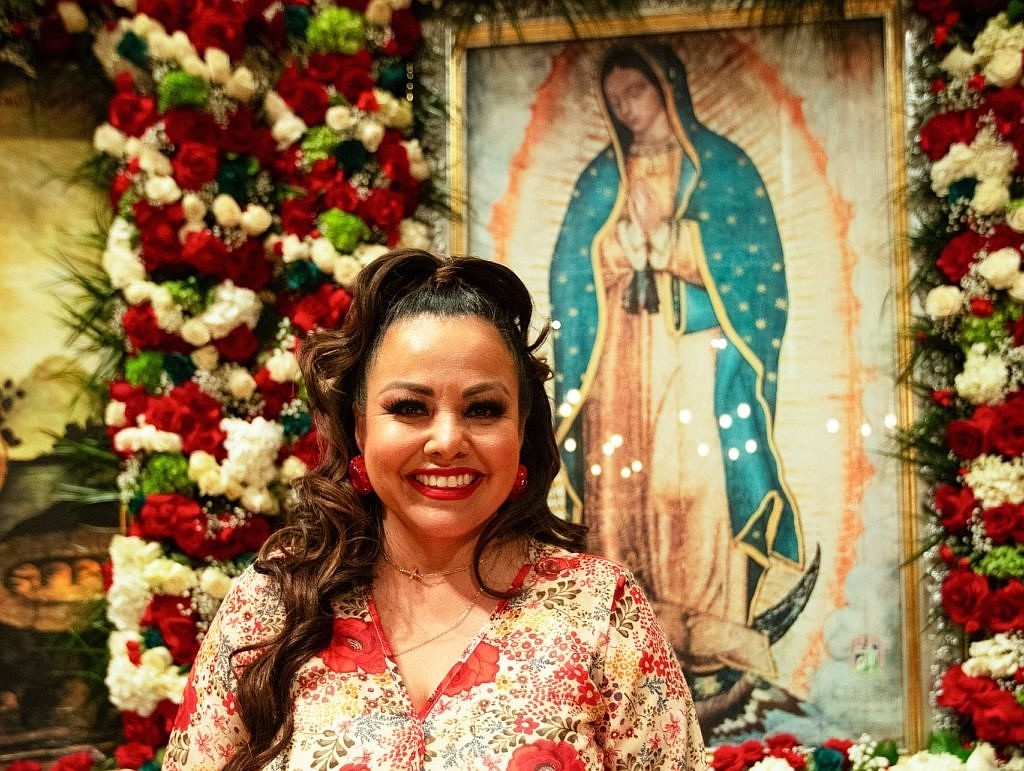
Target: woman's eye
[[486, 409], [407, 408]]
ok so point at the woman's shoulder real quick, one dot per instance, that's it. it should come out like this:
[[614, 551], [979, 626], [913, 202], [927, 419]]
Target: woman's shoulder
[[252, 609], [553, 562]]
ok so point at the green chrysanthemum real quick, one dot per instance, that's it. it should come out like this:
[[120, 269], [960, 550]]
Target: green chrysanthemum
[[186, 294], [146, 370], [342, 229], [319, 143], [179, 89], [336, 29], [990, 330], [1002, 562], [166, 473]]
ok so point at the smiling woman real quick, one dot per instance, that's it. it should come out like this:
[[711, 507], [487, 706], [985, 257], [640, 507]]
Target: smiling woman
[[426, 589]]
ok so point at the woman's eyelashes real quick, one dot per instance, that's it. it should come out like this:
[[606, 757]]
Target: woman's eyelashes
[[415, 408]]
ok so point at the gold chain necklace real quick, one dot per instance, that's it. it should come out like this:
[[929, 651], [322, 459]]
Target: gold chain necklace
[[416, 575], [451, 628]]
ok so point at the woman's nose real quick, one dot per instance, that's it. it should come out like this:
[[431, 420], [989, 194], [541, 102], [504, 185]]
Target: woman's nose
[[447, 437]]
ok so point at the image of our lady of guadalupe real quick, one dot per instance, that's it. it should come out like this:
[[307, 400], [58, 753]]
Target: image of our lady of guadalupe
[[668, 287]]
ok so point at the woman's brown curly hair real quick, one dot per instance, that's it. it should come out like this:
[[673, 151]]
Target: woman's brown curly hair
[[336, 537]]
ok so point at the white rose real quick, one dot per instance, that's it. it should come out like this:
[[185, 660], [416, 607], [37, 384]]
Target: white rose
[[109, 140], [393, 112], [418, 166], [129, 5], [241, 86], [206, 358], [195, 332], [1004, 68], [293, 468], [959, 62], [367, 253], [983, 757], [771, 764], [226, 211], [370, 132], [340, 118], [259, 500], [161, 46], [241, 383], [138, 292], [195, 67], [346, 270], [378, 13], [944, 301], [413, 234], [323, 254], [294, 248], [1015, 215], [1016, 290], [192, 207], [142, 25], [256, 220], [275, 106], [1001, 268], [287, 130], [72, 17], [152, 161], [984, 378], [218, 63], [990, 196], [115, 415], [169, 577], [282, 366], [215, 583], [181, 46], [162, 190]]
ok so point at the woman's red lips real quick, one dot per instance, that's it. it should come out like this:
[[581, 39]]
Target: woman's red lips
[[445, 484]]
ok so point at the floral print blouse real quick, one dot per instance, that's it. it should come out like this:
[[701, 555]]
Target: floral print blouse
[[572, 674]]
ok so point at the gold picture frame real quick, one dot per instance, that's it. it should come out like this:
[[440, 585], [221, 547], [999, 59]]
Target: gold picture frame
[[818, 109]]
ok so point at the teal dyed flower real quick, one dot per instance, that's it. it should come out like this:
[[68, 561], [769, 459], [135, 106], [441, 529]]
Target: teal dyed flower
[[319, 143], [297, 424], [336, 29], [134, 49], [179, 89], [827, 759], [296, 20], [301, 274], [166, 473], [342, 229], [233, 177], [146, 370], [179, 367]]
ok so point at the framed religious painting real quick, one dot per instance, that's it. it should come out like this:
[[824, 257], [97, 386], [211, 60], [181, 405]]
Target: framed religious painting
[[708, 211]]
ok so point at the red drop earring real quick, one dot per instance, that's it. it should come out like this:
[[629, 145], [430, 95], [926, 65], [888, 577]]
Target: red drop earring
[[519, 486], [358, 477]]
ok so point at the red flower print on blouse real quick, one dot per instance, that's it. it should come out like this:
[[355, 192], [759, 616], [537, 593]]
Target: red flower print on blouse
[[480, 667], [354, 645], [544, 755]]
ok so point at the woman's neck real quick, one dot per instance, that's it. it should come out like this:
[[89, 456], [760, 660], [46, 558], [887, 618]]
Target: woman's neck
[[657, 134]]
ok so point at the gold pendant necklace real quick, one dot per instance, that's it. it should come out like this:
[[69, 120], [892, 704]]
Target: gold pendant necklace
[[451, 628], [416, 575]]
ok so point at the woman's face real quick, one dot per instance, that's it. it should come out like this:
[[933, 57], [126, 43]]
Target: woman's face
[[633, 99], [441, 431]]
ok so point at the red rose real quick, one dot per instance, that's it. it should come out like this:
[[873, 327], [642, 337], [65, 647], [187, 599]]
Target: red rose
[[1001, 720], [353, 78], [959, 692], [240, 344], [1004, 523], [207, 437], [133, 754], [204, 252], [229, 542], [158, 231], [184, 407], [176, 623], [307, 98], [162, 514], [383, 208], [139, 322], [244, 134], [275, 395], [727, 758], [324, 308], [1017, 328], [752, 751], [24, 765], [480, 667], [246, 265], [216, 29], [76, 761], [1003, 609], [183, 125], [407, 33], [133, 397], [171, 13], [132, 113], [394, 160], [194, 165], [1008, 429], [970, 438], [340, 194], [947, 128], [324, 66], [354, 646], [958, 254], [545, 755], [298, 215], [781, 741], [981, 306], [143, 729], [307, 448], [955, 505], [795, 759], [963, 594]]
